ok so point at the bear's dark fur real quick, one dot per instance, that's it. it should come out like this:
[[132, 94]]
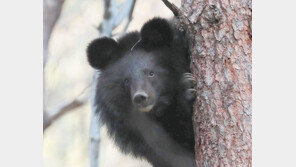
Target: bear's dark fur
[[141, 96]]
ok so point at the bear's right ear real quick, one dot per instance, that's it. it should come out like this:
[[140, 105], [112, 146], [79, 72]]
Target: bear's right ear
[[102, 52], [157, 33]]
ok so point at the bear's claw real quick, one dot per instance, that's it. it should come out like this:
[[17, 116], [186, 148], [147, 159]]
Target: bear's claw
[[190, 94], [189, 82]]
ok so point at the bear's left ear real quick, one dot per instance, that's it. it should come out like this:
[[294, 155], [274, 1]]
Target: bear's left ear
[[102, 52], [156, 32]]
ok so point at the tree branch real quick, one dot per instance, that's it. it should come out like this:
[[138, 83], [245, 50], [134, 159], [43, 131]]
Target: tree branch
[[64, 108], [130, 16], [50, 117], [172, 7]]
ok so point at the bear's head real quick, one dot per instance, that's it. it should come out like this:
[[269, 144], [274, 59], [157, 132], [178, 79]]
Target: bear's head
[[138, 70]]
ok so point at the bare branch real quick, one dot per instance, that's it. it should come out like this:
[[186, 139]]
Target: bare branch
[[80, 100], [64, 108], [114, 15], [130, 16], [172, 7], [125, 11]]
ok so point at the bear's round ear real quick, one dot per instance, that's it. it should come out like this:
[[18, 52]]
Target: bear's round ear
[[156, 32], [102, 52]]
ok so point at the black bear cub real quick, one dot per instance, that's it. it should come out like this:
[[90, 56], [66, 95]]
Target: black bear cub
[[145, 93]]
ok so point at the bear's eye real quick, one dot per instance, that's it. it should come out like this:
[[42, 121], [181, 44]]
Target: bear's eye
[[126, 82], [151, 74]]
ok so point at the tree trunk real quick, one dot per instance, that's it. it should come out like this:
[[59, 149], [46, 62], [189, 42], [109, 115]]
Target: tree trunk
[[51, 12], [222, 63]]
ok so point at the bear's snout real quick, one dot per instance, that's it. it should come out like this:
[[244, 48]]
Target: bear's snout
[[142, 101], [140, 97]]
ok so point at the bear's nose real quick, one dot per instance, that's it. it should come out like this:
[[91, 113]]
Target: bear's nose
[[140, 97]]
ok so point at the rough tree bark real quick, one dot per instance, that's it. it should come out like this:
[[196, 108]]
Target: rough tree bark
[[220, 33], [221, 61]]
